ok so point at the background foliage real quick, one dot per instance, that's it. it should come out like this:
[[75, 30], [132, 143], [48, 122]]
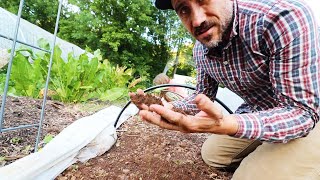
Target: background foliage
[[76, 79], [131, 34]]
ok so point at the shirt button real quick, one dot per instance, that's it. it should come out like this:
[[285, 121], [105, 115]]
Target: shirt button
[[225, 63]]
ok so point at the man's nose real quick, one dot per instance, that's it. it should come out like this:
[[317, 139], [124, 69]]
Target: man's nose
[[198, 17]]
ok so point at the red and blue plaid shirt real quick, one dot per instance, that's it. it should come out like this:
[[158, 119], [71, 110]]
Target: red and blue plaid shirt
[[271, 60]]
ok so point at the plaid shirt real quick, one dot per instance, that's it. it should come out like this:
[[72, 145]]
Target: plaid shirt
[[271, 60]]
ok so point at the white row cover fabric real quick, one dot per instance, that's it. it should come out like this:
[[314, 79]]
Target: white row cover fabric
[[84, 139], [4, 57], [30, 33]]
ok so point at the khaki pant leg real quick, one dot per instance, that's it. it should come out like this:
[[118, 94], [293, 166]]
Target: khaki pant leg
[[222, 151], [297, 160]]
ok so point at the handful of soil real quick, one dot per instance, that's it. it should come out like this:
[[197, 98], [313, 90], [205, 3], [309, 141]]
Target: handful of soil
[[146, 99], [149, 99]]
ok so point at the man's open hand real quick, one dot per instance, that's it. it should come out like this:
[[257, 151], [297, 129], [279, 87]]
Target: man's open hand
[[210, 119]]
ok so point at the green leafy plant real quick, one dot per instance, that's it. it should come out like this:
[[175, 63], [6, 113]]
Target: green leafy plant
[[27, 77], [75, 79], [27, 149], [81, 79], [15, 140], [2, 160], [47, 138]]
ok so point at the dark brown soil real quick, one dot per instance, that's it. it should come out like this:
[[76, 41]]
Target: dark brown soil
[[142, 151], [146, 99], [149, 99], [25, 111]]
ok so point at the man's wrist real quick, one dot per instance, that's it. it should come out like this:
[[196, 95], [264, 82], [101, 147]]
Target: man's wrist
[[229, 126]]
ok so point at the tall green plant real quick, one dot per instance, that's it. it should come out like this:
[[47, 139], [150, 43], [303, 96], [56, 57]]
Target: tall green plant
[[76, 79], [83, 78], [26, 77]]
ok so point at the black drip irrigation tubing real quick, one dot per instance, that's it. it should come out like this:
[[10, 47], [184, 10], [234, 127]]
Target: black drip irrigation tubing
[[169, 85]]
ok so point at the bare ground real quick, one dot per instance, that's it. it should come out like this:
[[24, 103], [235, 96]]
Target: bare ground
[[142, 151]]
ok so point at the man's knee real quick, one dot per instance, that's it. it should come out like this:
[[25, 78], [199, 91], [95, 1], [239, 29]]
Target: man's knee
[[297, 159], [214, 154], [226, 152]]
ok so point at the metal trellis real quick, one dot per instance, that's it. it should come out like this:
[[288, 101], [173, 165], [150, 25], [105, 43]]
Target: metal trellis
[[4, 96]]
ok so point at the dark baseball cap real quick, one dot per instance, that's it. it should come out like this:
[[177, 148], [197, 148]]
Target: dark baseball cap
[[163, 4]]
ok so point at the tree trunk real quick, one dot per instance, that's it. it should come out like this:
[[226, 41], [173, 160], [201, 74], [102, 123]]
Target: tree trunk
[[176, 62]]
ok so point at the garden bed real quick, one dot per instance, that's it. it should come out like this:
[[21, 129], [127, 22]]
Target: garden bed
[[143, 151], [24, 111]]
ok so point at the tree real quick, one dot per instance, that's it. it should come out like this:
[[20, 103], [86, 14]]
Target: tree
[[182, 43], [186, 64], [130, 33]]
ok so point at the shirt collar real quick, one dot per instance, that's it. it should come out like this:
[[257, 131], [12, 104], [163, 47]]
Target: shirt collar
[[235, 23], [233, 30]]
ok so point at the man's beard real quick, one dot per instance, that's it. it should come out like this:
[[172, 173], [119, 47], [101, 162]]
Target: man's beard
[[225, 23], [208, 41]]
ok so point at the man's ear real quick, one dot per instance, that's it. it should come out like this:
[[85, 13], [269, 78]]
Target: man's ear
[[172, 3]]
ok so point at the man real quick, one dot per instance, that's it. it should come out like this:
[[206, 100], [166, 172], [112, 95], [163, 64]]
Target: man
[[267, 52]]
